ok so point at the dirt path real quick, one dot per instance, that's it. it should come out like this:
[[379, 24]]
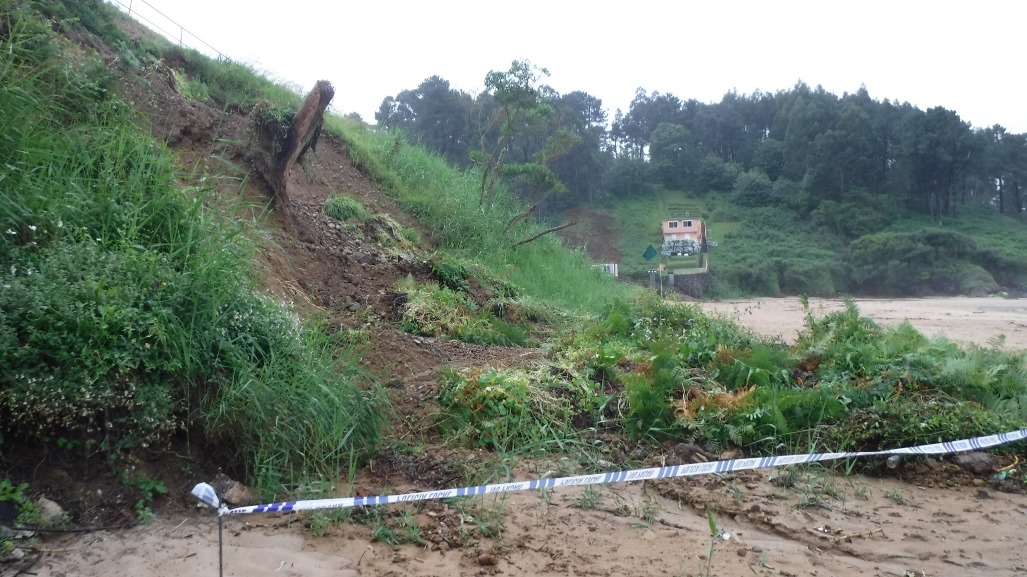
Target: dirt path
[[962, 319]]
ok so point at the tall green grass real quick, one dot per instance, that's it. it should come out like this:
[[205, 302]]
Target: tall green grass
[[128, 310]]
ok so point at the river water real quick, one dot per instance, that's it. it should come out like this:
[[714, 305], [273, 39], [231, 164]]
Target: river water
[[982, 321]]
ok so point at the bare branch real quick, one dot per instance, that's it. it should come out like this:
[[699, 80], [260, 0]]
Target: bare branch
[[545, 232], [527, 212]]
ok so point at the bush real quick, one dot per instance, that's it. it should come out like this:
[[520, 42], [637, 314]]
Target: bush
[[515, 410], [343, 208]]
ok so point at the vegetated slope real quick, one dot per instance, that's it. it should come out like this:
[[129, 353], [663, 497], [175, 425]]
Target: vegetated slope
[[346, 270], [340, 271]]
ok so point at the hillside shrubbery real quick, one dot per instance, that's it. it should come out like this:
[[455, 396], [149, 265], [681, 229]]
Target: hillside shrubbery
[[667, 371], [928, 261], [127, 309]]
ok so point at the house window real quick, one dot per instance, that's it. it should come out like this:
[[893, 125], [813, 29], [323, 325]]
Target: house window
[[673, 224], [688, 224]]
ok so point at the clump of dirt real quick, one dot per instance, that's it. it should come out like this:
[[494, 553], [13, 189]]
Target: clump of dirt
[[428, 470]]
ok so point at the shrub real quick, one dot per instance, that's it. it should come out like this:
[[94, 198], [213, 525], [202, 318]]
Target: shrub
[[515, 410], [343, 208]]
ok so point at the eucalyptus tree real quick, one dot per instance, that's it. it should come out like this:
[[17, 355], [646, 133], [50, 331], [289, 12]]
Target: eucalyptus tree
[[433, 115], [936, 149]]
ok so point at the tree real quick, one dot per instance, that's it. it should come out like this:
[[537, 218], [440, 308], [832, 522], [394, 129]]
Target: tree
[[634, 129], [1008, 155], [674, 156], [936, 148], [627, 177], [516, 96], [844, 157], [432, 115], [752, 188], [581, 168], [522, 113]]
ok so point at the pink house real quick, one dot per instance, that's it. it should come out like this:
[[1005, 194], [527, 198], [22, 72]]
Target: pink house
[[683, 229]]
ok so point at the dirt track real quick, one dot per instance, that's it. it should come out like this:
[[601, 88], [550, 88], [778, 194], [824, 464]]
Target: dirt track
[[962, 319]]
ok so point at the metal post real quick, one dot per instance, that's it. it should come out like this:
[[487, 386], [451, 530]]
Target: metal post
[[221, 546]]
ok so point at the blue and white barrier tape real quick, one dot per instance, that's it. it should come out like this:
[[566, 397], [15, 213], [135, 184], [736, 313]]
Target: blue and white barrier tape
[[206, 493]]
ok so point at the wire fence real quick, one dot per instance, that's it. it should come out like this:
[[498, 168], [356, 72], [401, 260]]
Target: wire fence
[[184, 37]]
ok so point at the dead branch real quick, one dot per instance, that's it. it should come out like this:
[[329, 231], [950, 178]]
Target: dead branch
[[544, 232], [527, 212]]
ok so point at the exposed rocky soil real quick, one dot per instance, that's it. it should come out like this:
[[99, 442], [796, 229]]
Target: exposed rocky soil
[[929, 518]]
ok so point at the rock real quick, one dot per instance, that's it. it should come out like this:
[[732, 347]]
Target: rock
[[354, 307], [232, 491], [240, 495], [50, 513], [976, 462], [691, 453], [487, 559]]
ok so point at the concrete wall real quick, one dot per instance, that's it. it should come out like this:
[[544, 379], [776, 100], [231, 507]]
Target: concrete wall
[[693, 285]]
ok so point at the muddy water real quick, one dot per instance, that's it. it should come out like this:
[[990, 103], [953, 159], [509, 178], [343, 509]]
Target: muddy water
[[981, 321]]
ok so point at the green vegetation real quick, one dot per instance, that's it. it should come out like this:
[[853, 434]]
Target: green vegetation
[[515, 410], [807, 173], [676, 374], [341, 207], [447, 202], [14, 496], [434, 310], [128, 312]]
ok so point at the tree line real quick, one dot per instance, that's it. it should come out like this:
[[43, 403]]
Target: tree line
[[822, 155]]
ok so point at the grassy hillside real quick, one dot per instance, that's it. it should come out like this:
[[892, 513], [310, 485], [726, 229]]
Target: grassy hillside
[[775, 251]]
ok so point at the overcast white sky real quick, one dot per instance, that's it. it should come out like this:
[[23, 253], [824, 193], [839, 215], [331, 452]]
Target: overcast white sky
[[966, 56]]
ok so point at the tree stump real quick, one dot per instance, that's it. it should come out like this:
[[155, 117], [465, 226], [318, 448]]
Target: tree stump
[[284, 140]]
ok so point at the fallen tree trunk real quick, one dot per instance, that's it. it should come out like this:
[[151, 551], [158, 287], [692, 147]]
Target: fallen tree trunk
[[283, 146]]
